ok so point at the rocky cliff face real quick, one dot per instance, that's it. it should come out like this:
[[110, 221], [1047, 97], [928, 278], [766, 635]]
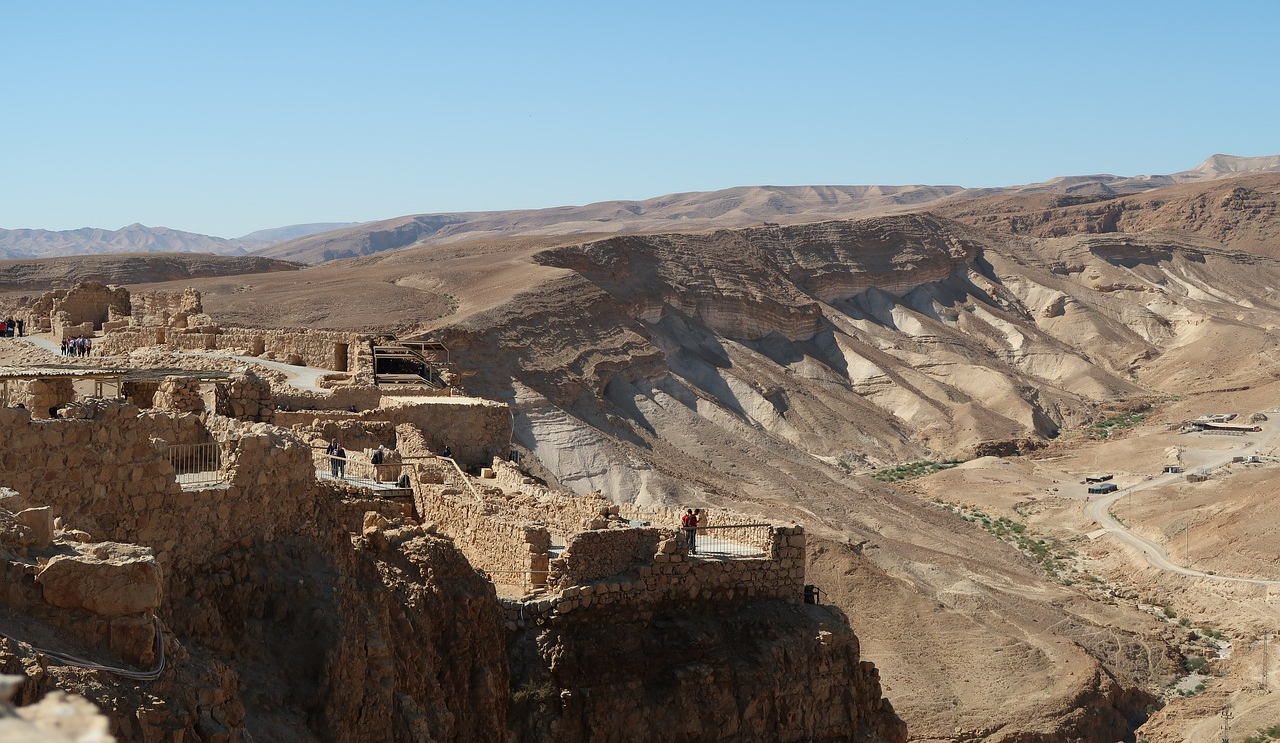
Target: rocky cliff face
[[1239, 212], [760, 672]]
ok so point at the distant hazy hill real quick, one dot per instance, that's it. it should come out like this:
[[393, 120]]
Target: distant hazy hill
[[729, 208], [683, 212], [135, 238], [280, 234], [27, 275]]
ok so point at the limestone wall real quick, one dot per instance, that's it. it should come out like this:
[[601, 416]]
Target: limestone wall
[[165, 308], [592, 555], [476, 430], [324, 349], [109, 477], [674, 579], [87, 302], [511, 551], [336, 402]]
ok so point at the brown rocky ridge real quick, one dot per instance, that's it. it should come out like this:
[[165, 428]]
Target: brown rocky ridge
[[771, 371]]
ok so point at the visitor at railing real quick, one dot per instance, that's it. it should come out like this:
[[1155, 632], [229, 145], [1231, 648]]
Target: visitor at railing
[[690, 524], [337, 459]]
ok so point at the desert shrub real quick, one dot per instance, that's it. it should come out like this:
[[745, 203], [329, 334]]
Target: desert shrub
[[912, 470]]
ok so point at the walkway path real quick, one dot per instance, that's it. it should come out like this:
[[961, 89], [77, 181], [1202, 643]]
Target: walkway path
[[303, 378], [1100, 511]]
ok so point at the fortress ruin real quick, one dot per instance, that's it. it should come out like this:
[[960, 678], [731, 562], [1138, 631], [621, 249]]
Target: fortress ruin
[[114, 533]]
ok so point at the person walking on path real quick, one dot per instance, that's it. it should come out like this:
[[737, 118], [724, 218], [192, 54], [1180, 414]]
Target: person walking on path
[[690, 524]]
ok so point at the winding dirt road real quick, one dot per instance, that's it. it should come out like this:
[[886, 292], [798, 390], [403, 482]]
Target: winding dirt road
[[1100, 511]]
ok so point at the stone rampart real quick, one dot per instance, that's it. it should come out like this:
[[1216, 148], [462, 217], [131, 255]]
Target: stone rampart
[[89, 302], [638, 565], [674, 579], [323, 349], [154, 308], [597, 554], [108, 476], [476, 430], [511, 551]]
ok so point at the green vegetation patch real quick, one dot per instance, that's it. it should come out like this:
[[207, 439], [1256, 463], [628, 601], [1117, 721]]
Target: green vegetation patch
[[912, 470], [1108, 427]]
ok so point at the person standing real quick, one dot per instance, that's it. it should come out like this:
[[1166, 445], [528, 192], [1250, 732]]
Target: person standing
[[340, 456], [690, 524], [377, 459], [700, 515], [332, 452]]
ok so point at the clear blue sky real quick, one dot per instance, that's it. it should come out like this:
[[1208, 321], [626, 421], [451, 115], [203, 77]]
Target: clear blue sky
[[228, 117]]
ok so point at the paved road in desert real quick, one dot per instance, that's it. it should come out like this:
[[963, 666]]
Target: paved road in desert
[[1100, 511]]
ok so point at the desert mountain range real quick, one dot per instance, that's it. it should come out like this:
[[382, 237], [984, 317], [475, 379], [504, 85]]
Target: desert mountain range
[[727, 208], [777, 368]]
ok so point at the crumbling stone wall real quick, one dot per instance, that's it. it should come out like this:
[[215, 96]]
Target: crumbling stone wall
[[476, 430], [336, 403], [323, 349], [591, 555], [510, 550], [179, 394], [40, 395], [87, 302], [357, 641], [672, 578], [170, 309], [245, 396]]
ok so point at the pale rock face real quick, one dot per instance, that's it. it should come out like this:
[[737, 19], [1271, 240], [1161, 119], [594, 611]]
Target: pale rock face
[[40, 521], [106, 578], [56, 718]]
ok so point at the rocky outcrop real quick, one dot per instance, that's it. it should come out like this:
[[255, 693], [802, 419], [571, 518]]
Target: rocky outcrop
[[760, 672], [106, 578]]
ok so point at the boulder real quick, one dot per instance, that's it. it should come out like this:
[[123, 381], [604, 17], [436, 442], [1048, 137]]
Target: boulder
[[40, 521], [106, 578]]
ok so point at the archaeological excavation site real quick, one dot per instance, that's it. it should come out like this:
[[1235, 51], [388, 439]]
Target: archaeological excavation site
[[816, 469], [233, 534]]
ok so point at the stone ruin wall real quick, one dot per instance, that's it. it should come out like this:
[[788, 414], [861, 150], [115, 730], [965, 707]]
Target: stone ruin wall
[[638, 566], [301, 406], [319, 349], [172, 309], [509, 550], [476, 430], [66, 312], [220, 550], [672, 579], [603, 553], [105, 475]]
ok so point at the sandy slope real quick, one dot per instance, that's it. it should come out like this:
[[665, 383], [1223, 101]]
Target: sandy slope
[[773, 368]]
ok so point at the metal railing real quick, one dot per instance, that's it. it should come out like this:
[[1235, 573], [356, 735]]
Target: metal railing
[[732, 540], [357, 468], [197, 464]]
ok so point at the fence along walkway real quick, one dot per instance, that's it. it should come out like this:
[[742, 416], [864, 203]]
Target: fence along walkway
[[358, 471], [197, 464], [732, 540]]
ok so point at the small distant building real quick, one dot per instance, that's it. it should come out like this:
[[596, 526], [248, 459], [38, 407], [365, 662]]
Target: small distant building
[[1103, 488], [1172, 469], [1197, 477], [1096, 478]]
